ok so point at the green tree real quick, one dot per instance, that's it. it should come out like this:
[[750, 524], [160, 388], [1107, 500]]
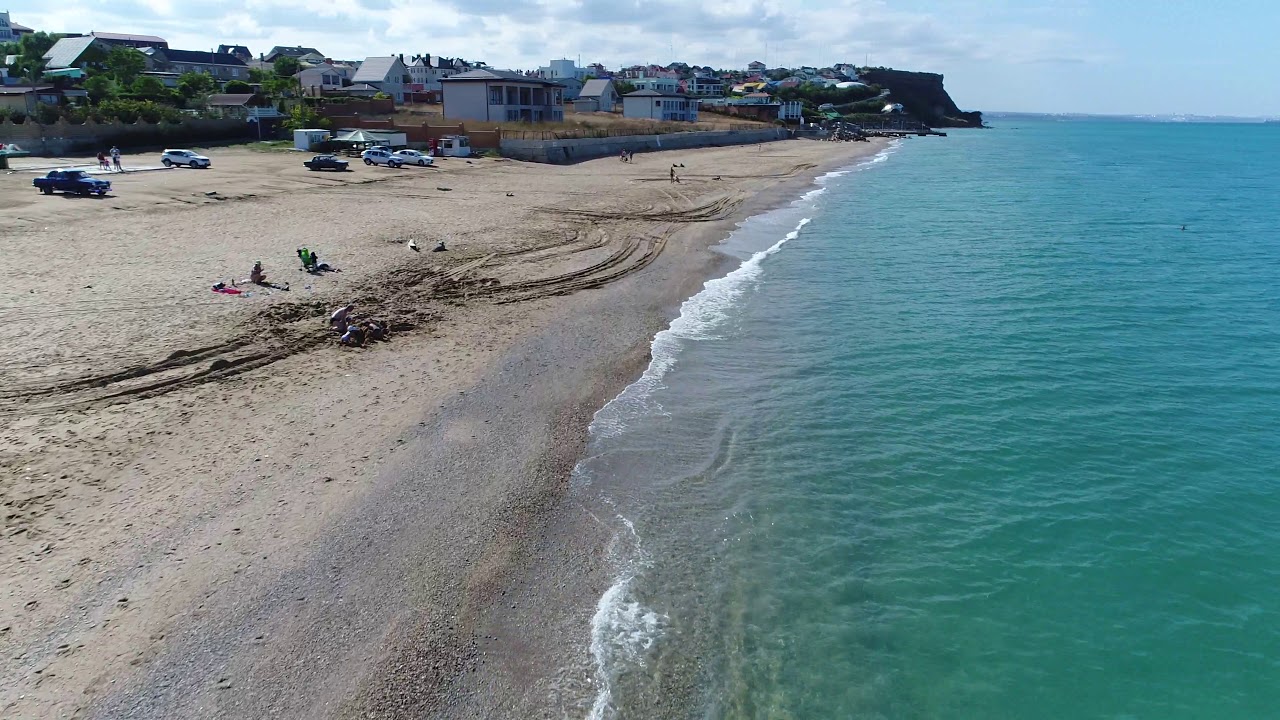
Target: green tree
[[623, 86], [149, 88], [287, 67], [257, 76], [125, 64], [35, 45], [303, 116], [47, 114], [238, 87], [280, 87], [194, 84], [100, 87]]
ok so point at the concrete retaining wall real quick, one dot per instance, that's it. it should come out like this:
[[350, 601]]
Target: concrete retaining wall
[[560, 152], [63, 138]]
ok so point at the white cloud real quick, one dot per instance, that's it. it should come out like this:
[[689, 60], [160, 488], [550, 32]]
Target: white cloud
[[721, 33]]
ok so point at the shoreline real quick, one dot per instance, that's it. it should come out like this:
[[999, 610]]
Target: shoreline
[[393, 578]]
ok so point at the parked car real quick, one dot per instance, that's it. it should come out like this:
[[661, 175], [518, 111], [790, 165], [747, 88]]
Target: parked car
[[413, 157], [71, 181], [183, 157], [378, 156], [326, 162]]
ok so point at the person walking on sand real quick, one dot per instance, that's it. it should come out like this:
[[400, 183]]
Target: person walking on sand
[[115, 158], [674, 179]]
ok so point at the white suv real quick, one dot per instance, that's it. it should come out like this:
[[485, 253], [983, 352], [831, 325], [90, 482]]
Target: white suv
[[378, 156], [183, 157]]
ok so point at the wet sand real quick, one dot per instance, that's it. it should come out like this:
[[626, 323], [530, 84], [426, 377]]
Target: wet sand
[[211, 510]]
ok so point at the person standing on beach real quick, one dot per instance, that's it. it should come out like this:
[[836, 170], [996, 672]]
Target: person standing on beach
[[102, 161], [674, 179], [115, 158]]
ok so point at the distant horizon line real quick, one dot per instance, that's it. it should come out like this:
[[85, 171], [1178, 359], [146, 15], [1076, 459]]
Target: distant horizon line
[[1134, 116]]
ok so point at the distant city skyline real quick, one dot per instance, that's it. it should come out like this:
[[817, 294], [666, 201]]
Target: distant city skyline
[[1085, 56]]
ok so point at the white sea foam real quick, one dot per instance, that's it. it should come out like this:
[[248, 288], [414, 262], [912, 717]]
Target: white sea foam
[[622, 629], [698, 319]]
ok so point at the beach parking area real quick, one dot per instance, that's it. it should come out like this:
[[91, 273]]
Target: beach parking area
[[203, 492]]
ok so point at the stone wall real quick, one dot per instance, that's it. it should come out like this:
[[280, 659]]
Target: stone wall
[[64, 138], [561, 152]]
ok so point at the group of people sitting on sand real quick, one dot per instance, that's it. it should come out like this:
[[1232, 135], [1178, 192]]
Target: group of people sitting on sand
[[356, 333]]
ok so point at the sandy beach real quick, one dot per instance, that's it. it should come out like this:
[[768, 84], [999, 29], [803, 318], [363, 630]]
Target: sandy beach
[[213, 510]]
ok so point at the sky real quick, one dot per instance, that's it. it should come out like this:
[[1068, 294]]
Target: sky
[[1085, 56]]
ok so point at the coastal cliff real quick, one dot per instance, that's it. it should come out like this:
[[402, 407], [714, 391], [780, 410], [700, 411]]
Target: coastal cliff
[[923, 96]]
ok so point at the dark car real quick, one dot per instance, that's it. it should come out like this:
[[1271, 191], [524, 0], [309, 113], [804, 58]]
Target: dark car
[[326, 162], [71, 181]]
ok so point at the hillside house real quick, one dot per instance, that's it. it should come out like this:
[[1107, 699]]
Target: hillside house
[[756, 67], [653, 105], [426, 72], [597, 96], [294, 52], [669, 86], [561, 70], [572, 88], [70, 52], [242, 107], [239, 51], [11, 31], [704, 85], [25, 98], [500, 96], [388, 74], [320, 79], [221, 66], [133, 41]]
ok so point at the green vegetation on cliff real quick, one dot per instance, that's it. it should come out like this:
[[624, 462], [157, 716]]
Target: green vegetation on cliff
[[923, 96]]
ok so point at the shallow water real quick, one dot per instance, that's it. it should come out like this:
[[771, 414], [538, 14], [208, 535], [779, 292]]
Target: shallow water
[[977, 430]]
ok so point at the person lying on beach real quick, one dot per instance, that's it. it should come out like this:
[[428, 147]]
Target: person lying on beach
[[338, 320], [353, 337], [375, 330], [439, 247]]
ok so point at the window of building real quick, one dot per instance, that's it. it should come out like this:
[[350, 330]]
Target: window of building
[[495, 96]]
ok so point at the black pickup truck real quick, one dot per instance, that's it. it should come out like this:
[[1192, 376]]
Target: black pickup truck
[[71, 181]]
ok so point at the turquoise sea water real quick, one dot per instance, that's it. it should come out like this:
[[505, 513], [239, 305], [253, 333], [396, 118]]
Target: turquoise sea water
[[988, 436]]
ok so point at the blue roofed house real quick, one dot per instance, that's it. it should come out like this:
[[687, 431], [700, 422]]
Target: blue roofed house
[[388, 74]]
